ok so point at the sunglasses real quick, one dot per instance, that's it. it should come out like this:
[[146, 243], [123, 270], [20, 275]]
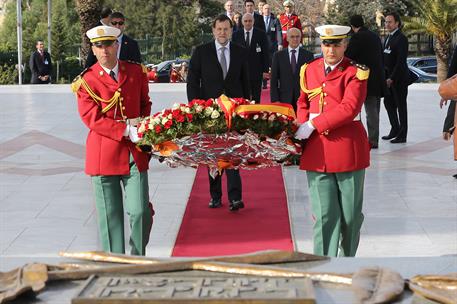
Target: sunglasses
[[117, 22]]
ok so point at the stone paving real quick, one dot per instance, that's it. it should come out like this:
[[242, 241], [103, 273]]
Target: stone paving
[[46, 201]]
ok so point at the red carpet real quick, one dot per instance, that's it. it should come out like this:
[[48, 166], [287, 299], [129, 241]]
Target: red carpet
[[263, 223]]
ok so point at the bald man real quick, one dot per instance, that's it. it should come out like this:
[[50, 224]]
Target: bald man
[[256, 42], [285, 69]]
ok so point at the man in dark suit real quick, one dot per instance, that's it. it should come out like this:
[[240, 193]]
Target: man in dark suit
[[449, 121], [365, 47], [40, 65], [128, 47], [397, 79], [256, 43], [216, 68], [285, 74], [249, 6], [274, 34]]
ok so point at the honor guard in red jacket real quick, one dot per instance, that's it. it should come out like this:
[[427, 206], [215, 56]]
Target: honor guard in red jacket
[[336, 150], [288, 20], [112, 97]]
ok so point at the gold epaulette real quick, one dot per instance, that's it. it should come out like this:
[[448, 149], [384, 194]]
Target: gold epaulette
[[144, 68], [76, 83], [302, 77], [363, 72]]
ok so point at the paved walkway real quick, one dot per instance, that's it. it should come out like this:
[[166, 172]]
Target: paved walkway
[[46, 201]]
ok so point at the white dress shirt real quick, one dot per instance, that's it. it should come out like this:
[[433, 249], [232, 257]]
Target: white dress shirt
[[296, 54], [119, 41], [332, 67], [226, 52], [250, 35], [115, 70]]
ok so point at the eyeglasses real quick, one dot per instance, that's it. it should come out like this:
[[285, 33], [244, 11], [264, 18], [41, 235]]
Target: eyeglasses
[[117, 22], [107, 43]]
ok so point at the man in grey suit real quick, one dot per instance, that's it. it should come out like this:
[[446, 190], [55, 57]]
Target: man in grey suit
[[285, 70]]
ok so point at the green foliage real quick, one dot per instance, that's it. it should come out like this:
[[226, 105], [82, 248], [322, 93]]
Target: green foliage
[[340, 11], [8, 74]]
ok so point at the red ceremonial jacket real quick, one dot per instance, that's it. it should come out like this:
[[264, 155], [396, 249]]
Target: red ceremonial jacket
[[107, 150], [286, 24], [339, 143]]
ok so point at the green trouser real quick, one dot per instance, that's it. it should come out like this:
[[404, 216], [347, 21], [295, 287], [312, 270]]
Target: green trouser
[[110, 210], [336, 201]]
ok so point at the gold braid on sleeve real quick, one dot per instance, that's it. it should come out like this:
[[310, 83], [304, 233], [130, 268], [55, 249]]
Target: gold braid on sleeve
[[313, 92], [112, 102]]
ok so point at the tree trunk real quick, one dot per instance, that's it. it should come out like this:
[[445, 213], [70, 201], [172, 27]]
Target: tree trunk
[[89, 15], [443, 53]]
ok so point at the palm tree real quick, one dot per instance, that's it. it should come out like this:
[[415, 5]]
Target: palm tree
[[89, 15], [439, 19]]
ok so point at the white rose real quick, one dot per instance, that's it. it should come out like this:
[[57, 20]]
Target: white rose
[[156, 120], [164, 120], [215, 114], [142, 128], [256, 117], [176, 106], [209, 111], [271, 118], [170, 116], [198, 109], [264, 115], [185, 109]]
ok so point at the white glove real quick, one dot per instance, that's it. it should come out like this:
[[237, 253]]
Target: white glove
[[305, 130], [133, 134]]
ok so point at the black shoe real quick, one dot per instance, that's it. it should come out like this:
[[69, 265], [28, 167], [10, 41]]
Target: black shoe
[[454, 176], [215, 203], [235, 205], [390, 136], [398, 140], [373, 146]]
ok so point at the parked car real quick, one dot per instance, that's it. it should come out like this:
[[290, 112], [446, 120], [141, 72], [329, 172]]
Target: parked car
[[427, 64], [422, 76], [164, 69]]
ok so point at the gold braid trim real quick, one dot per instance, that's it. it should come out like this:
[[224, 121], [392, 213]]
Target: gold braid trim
[[113, 101], [313, 92]]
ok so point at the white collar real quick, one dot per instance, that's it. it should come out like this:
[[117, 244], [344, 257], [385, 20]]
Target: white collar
[[392, 33], [119, 38], [115, 69], [332, 66], [297, 49], [218, 45]]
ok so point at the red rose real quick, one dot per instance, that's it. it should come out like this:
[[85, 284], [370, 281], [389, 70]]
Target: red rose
[[158, 128], [176, 113], [180, 118], [209, 103], [168, 124], [189, 117]]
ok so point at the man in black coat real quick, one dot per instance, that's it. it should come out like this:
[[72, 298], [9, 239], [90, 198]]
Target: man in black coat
[[365, 47], [216, 68], [285, 75], [397, 79], [449, 123], [40, 65], [128, 47], [256, 43], [249, 6]]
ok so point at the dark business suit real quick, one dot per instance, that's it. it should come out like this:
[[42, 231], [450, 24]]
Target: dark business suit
[[129, 51], [365, 47], [395, 54], [258, 58], [450, 116], [274, 35], [258, 22], [204, 81], [284, 84], [40, 65]]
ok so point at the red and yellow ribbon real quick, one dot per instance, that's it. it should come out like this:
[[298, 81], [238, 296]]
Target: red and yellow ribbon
[[229, 107]]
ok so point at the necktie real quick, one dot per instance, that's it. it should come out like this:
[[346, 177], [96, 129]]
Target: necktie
[[111, 73], [247, 39], [293, 61], [223, 62], [328, 70], [267, 20]]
